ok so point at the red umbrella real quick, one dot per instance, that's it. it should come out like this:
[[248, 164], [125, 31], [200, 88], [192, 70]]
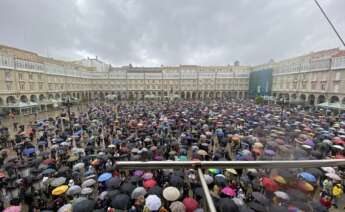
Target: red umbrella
[[190, 204], [269, 184], [149, 183], [338, 156], [48, 161]]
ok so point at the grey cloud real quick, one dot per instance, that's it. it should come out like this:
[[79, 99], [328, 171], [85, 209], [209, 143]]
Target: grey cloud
[[170, 32]]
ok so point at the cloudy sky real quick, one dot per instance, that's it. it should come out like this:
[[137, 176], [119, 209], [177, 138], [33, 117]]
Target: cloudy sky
[[170, 32]]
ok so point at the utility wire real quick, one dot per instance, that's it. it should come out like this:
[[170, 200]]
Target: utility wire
[[330, 23]]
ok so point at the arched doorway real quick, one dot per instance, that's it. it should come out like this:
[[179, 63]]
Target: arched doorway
[[41, 97], [193, 95], [311, 99], [1, 101], [293, 97], [182, 95], [334, 99], [11, 100], [57, 96], [321, 99], [302, 98], [23, 98], [343, 101], [50, 96], [33, 98], [188, 95]]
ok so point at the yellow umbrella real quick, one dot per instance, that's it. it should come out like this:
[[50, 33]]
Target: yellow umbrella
[[60, 190], [72, 158], [279, 179]]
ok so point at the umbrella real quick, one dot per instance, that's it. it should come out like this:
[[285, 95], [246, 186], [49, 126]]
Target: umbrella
[[138, 173], [113, 183], [177, 206], [48, 161], [304, 186], [78, 166], [297, 195], [121, 202], [328, 169], [214, 171], [202, 152], [190, 204], [149, 183], [269, 152], [60, 190], [269, 184], [208, 179], [276, 208], [48, 171], [86, 191], [307, 176], [13, 209], [338, 147], [260, 198], [134, 179], [88, 183], [333, 176], [28, 151], [220, 180], [176, 180], [84, 205], [138, 191], [281, 195], [104, 177], [72, 158], [147, 176], [279, 179], [127, 188], [153, 202], [232, 171], [73, 190], [171, 193], [226, 205], [229, 191], [58, 181], [65, 208], [155, 190]]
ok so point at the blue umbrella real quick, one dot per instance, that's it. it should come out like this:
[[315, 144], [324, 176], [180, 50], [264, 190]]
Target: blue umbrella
[[78, 133], [28, 152], [104, 177], [48, 171], [307, 176]]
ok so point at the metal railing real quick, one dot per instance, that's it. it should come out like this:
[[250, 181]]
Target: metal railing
[[199, 165]]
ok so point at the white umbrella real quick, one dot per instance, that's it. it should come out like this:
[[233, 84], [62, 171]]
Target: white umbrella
[[338, 147], [328, 169], [88, 183], [153, 202], [78, 166], [171, 193], [58, 181], [73, 190], [333, 176], [282, 195], [86, 191], [67, 207]]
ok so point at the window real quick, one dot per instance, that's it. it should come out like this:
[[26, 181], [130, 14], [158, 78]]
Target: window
[[9, 86], [22, 86], [30, 77], [8, 76], [40, 86], [20, 76], [323, 86]]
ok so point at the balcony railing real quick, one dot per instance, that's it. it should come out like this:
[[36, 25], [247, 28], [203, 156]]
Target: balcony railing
[[200, 165]]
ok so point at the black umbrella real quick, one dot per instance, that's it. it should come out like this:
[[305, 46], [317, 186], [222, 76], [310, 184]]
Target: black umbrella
[[226, 205], [111, 194], [127, 188], [259, 197], [314, 171], [86, 205], [198, 192], [176, 181], [220, 181], [121, 202], [113, 183], [257, 207], [135, 179], [157, 190], [276, 208]]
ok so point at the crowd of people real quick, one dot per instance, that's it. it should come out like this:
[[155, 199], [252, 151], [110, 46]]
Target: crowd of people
[[68, 163]]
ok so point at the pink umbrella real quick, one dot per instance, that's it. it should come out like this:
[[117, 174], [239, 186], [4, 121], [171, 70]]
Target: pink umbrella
[[229, 191], [147, 176], [13, 209]]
